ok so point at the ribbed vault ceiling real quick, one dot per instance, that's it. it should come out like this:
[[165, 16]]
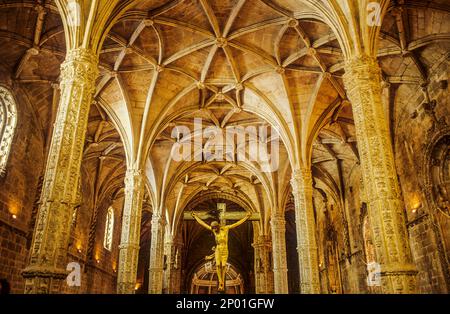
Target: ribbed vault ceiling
[[229, 62]]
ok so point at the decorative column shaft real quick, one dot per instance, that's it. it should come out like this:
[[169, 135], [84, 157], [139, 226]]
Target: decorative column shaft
[[169, 252], [175, 274], [156, 269], [263, 273], [302, 190], [131, 231], [278, 226], [385, 205], [48, 253]]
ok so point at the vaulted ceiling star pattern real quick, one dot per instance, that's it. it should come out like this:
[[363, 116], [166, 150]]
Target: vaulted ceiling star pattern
[[254, 63]]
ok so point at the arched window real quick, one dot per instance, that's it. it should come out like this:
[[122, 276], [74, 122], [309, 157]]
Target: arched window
[[8, 119], [109, 228]]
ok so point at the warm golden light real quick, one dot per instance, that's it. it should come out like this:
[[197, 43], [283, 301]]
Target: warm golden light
[[415, 202], [13, 209]]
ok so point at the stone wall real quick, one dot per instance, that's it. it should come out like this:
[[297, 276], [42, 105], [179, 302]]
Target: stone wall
[[415, 128], [18, 191]]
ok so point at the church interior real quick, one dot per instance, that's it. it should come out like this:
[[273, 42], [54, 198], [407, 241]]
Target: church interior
[[349, 104]]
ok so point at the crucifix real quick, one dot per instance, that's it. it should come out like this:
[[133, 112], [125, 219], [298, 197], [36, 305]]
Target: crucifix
[[220, 230], [220, 215]]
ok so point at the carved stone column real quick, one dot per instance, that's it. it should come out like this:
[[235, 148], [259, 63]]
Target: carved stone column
[[175, 274], [302, 190], [156, 269], [169, 252], [278, 226], [131, 231], [47, 265], [263, 272], [385, 205]]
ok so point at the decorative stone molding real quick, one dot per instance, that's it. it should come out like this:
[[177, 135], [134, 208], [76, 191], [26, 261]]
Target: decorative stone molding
[[278, 227], [263, 274], [302, 191], [156, 268], [131, 228], [59, 197], [385, 205]]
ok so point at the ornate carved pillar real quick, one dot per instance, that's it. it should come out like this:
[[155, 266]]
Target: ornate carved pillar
[[156, 269], [169, 252], [263, 272], [175, 274], [385, 205], [278, 226], [302, 190], [47, 265], [131, 231]]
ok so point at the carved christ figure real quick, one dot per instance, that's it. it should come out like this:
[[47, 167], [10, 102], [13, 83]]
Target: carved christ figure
[[221, 251]]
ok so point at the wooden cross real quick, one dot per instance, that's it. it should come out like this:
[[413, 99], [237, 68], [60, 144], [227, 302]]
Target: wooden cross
[[223, 215]]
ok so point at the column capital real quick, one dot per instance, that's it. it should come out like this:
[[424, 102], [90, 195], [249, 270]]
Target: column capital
[[132, 172], [80, 67], [60, 194], [301, 179], [134, 180], [277, 221], [362, 81], [361, 61], [81, 55], [301, 174], [262, 241], [131, 223], [158, 220], [362, 68]]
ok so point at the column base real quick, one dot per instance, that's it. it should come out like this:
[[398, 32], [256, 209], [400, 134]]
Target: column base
[[399, 279], [43, 280]]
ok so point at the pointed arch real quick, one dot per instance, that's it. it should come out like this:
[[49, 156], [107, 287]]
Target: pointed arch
[[8, 122]]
